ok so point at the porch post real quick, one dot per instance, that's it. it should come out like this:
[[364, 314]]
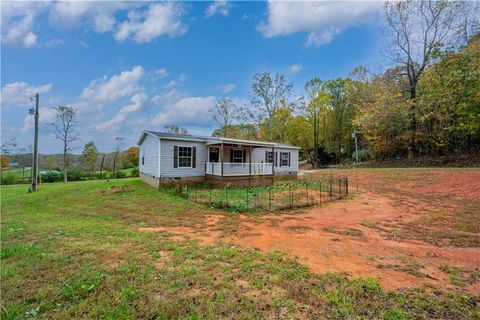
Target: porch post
[[250, 161], [273, 160], [221, 158]]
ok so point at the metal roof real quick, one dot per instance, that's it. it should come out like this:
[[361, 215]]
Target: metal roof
[[211, 140]]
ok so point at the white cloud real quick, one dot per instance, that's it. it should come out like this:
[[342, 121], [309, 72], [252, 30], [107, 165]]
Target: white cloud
[[174, 83], [321, 19], [46, 116], [138, 102], [18, 93], [98, 14], [295, 68], [17, 22], [218, 6], [187, 111], [229, 87], [157, 20], [121, 85], [162, 73]]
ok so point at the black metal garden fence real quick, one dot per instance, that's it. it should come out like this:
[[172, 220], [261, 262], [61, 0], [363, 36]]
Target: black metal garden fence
[[280, 196]]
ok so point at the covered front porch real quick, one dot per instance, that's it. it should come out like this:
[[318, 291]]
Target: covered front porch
[[235, 158]]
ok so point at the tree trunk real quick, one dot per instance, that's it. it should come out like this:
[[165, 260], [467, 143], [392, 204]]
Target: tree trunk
[[101, 165], [413, 123], [65, 176], [315, 140]]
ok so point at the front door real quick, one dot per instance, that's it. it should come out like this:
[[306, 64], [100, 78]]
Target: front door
[[214, 155]]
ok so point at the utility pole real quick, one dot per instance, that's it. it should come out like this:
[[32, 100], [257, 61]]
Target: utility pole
[[33, 186], [354, 135]]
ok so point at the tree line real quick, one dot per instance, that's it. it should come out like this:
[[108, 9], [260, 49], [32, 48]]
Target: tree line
[[426, 103]]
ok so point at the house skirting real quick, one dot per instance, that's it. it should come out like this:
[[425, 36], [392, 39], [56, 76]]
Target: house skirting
[[240, 181], [156, 182]]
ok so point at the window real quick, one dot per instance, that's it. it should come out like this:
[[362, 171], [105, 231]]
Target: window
[[269, 157], [237, 156], [284, 159], [184, 157]]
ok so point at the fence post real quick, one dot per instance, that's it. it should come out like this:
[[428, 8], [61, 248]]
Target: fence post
[[290, 195], [346, 185], [226, 196], [248, 190], [306, 187], [331, 189], [269, 198], [210, 193], [320, 192], [340, 189]]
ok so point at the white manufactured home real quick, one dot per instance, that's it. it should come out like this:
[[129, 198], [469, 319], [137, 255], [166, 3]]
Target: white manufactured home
[[166, 156]]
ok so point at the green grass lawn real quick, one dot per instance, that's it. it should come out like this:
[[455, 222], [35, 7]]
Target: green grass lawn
[[73, 251]]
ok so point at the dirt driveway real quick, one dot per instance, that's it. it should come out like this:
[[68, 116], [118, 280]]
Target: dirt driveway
[[406, 227]]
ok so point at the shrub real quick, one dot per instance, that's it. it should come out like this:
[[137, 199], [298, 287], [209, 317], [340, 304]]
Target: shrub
[[135, 172], [76, 175], [120, 174], [364, 155], [51, 176], [102, 175], [8, 178]]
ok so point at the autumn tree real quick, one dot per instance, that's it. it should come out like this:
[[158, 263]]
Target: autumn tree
[[119, 145], [449, 102], [269, 93], [132, 155], [418, 31], [382, 116], [65, 130], [90, 155], [4, 160], [225, 112]]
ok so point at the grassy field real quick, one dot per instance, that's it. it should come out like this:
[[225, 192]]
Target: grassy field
[[75, 251]]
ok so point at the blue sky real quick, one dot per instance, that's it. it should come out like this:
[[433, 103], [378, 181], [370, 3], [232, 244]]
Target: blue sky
[[130, 66]]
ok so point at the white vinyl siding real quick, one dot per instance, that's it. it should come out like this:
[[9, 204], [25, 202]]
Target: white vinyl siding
[[166, 157], [149, 149], [259, 156]]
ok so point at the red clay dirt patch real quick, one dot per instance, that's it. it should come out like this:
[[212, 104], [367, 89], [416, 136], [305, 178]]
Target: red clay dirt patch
[[324, 251], [371, 234]]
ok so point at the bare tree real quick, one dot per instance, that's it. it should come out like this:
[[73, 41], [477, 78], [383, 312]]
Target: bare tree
[[24, 158], [225, 112], [8, 146], [119, 145], [65, 125], [268, 95], [172, 128], [417, 32]]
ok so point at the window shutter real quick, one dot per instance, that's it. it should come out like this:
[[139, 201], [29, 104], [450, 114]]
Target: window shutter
[[231, 155], [194, 157], [175, 156], [266, 156], [244, 153], [276, 158], [289, 156]]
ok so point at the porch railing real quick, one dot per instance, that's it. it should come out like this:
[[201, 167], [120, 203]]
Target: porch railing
[[238, 169]]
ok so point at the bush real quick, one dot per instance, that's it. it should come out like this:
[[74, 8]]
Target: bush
[[135, 172], [51, 176], [120, 174], [8, 178], [364, 155], [102, 175], [76, 175]]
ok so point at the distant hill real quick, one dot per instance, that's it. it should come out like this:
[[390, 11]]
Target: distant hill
[[55, 161]]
